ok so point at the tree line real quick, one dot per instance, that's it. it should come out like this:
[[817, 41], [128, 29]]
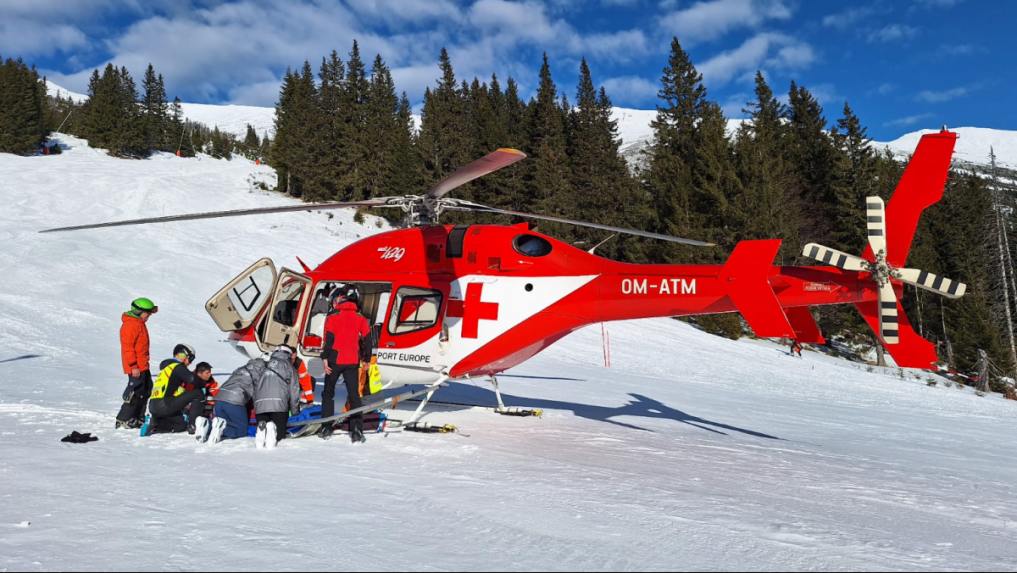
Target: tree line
[[344, 133], [116, 116]]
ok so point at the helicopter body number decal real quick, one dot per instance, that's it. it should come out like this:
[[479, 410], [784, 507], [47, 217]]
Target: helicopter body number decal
[[392, 253]]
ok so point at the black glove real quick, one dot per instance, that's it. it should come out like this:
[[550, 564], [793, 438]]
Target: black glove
[[132, 385], [76, 438]]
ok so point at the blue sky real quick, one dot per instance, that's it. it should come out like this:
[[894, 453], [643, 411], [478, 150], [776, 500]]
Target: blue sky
[[903, 65]]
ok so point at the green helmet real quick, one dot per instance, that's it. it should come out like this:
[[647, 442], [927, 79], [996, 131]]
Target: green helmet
[[143, 305]]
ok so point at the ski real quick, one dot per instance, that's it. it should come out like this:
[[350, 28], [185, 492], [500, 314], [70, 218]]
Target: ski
[[312, 426]]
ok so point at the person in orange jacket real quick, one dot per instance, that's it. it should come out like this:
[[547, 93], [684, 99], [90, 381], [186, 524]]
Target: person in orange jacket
[[135, 355]]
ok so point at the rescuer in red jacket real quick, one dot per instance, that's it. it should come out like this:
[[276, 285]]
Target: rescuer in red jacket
[[344, 330]]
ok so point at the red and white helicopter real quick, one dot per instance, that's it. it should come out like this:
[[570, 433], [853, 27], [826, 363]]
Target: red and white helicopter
[[456, 302]]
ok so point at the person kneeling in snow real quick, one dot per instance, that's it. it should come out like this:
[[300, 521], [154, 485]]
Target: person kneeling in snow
[[231, 410], [170, 397], [276, 394]]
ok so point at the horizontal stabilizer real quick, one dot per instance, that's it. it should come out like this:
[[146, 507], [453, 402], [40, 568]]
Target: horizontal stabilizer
[[745, 279], [911, 350], [806, 329]]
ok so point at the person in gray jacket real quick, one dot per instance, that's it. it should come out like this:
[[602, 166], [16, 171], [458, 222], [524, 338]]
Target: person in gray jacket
[[232, 411], [276, 395]]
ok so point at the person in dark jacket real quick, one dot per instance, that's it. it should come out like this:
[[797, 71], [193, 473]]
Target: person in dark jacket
[[276, 395], [231, 402], [344, 330], [134, 353], [169, 397]]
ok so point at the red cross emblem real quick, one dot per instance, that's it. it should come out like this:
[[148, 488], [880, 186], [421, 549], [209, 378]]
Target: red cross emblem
[[472, 310]]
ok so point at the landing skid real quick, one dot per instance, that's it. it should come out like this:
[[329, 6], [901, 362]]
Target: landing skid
[[501, 409], [310, 427]]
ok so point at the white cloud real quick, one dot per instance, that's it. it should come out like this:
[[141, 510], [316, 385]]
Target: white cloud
[[714, 18], [910, 120], [28, 38], [631, 88], [942, 96], [885, 89], [753, 54], [847, 18], [893, 33], [620, 46]]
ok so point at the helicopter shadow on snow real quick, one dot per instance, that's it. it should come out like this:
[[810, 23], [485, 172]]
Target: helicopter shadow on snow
[[639, 406]]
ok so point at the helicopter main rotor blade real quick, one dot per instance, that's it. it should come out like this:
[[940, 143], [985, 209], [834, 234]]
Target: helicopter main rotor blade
[[483, 166], [467, 206], [378, 202]]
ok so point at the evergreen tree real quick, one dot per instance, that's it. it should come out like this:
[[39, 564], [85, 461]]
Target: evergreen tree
[[252, 145], [384, 130], [767, 207], [603, 190], [444, 142], [297, 121], [22, 108], [549, 192], [155, 109], [690, 171], [853, 180], [355, 171], [811, 155], [402, 176], [332, 130]]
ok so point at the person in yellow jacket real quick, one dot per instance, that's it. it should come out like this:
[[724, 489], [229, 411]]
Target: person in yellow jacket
[[169, 397]]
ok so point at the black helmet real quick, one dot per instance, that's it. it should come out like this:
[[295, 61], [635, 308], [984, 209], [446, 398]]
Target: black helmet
[[186, 350], [348, 293], [352, 295]]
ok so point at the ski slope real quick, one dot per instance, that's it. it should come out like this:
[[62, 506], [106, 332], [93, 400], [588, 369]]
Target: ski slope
[[691, 452]]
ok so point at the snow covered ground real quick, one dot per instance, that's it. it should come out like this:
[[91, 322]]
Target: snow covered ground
[[692, 452]]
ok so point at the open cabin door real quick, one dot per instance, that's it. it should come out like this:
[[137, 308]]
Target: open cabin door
[[240, 302], [290, 299]]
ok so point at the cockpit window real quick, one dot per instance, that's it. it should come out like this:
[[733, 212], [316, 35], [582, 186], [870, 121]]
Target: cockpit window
[[531, 245]]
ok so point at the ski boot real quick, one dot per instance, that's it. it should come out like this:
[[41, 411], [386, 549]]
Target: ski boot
[[259, 436], [202, 429], [271, 436], [218, 428], [326, 431], [357, 436], [132, 424]]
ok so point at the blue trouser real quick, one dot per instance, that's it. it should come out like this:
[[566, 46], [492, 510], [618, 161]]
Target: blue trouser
[[236, 420]]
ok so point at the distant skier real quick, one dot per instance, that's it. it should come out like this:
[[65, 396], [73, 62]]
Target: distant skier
[[796, 348], [169, 397], [135, 355], [232, 414], [276, 396], [345, 328]]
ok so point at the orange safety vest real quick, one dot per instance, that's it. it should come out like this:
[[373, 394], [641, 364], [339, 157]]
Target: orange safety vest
[[306, 383]]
